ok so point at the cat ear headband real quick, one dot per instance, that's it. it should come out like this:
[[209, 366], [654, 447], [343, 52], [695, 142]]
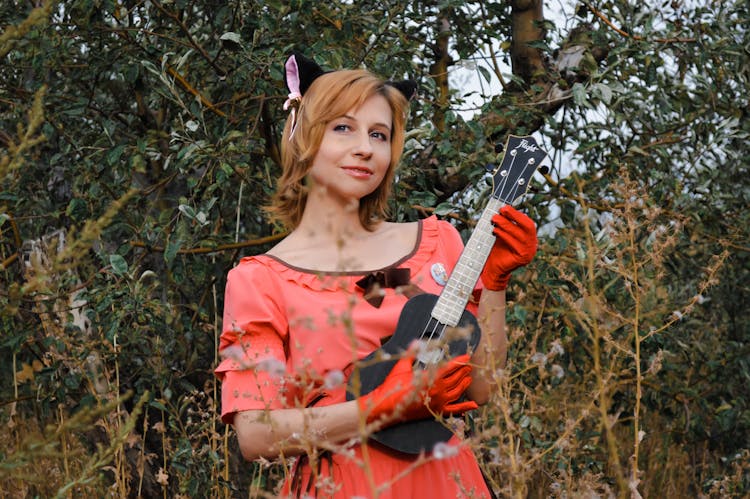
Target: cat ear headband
[[300, 72]]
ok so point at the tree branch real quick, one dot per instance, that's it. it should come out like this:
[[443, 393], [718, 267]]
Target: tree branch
[[439, 70], [196, 45], [215, 249], [634, 37], [527, 62], [187, 86]]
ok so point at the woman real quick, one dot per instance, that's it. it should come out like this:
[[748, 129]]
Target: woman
[[297, 317]]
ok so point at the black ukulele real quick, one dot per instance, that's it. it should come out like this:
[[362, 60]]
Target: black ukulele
[[442, 323]]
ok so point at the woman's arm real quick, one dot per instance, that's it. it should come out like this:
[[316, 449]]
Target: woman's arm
[[515, 245], [289, 432], [492, 350], [405, 394]]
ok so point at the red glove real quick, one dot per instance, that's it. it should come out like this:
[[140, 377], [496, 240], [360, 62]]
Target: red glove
[[515, 246], [406, 394]]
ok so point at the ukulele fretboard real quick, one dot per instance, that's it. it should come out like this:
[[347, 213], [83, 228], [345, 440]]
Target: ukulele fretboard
[[457, 292]]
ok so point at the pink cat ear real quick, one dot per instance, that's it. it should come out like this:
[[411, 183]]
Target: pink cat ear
[[295, 96], [299, 73], [292, 81]]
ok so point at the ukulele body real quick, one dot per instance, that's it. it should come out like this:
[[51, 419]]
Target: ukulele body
[[411, 437]]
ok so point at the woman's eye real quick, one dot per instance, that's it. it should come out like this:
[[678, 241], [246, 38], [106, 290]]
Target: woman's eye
[[341, 127], [380, 136]]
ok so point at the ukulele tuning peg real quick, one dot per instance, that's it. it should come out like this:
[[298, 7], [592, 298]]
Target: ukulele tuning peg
[[489, 167], [499, 147], [544, 170]]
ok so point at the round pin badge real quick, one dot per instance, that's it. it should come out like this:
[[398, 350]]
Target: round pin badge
[[439, 274]]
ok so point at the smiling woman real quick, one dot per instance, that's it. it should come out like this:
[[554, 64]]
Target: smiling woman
[[298, 318], [331, 97], [358, 146]]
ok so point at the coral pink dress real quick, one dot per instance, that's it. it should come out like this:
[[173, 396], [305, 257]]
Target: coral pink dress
[[289, 335]]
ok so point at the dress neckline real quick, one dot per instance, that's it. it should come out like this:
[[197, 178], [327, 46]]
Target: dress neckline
[[398, 262]]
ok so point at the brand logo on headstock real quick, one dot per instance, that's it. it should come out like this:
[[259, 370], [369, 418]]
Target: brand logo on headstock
[[528, 146]]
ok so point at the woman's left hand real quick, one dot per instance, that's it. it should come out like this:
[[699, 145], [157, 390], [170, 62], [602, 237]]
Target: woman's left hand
[[515, 246]]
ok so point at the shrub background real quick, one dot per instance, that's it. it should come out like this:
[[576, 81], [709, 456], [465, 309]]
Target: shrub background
[[138, 141]]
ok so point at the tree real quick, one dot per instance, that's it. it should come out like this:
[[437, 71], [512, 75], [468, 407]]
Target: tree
[[139, 140]]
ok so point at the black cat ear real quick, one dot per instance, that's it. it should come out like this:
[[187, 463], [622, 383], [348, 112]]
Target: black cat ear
[[300, 73], [407, 87]]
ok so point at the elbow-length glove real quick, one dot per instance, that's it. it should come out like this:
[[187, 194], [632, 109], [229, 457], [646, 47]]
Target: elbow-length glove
[[515, 245], [408, 394]]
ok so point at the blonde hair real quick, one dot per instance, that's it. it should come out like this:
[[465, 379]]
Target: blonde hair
[[330, 96]]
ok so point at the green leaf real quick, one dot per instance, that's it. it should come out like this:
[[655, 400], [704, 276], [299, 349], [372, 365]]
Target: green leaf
[[171, 250], [524, 421], [158, 404], [539, 44], [604, 92], [423, 198], [119, 265], [444, 208], [113, 156], [232, 37], [579, 95], [77, 209], [485, 73], [187, 210]]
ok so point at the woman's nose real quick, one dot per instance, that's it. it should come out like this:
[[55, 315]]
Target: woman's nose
[[363, 147]]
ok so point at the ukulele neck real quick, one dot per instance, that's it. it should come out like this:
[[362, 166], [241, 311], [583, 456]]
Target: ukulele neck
[[457, 292]]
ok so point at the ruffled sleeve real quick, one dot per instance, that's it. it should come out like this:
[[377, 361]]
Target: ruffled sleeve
[[253, 339]]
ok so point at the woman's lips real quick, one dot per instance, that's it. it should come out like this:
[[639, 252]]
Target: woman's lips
[[358, 171]]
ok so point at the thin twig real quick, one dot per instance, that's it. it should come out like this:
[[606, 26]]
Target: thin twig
[[625, 34]]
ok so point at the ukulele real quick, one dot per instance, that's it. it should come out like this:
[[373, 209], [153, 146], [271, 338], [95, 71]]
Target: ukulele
[[441, 324]]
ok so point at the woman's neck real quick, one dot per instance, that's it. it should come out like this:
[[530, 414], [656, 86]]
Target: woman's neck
[[331, 219]]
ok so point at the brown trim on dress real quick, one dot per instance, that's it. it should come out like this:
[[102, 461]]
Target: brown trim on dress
[[352, 272]]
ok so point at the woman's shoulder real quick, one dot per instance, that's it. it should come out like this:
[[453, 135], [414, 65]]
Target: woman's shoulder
[[439, 241], [446, 230], [439, 231], [271, 276], [254, 268]]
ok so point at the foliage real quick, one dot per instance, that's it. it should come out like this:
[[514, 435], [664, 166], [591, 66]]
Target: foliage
[[139, 140]]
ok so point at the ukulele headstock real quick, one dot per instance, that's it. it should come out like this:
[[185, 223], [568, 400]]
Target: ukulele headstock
[[521, 159]]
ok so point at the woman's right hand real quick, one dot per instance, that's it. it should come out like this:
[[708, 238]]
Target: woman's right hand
[[406, 394]]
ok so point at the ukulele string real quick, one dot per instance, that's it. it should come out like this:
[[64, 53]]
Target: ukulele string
[[505, 178], [513, 194], [432, 328]]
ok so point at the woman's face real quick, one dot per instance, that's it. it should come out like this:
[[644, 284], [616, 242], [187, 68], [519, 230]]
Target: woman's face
[[355, 152]]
